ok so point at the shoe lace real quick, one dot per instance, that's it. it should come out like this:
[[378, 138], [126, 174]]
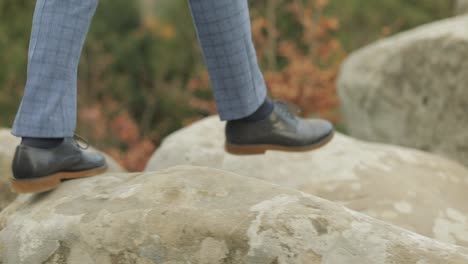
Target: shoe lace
[[287, 108], [77, 138]]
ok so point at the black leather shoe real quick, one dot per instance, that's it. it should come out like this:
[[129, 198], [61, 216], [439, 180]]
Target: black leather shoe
[[282, 130], [40, 170]]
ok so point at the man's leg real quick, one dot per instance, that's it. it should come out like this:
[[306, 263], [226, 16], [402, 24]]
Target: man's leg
[[223, 28], [48, 108], [255, 123], [46, 118]]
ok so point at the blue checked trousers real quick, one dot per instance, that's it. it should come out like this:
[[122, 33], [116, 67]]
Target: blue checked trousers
[[48, 107]]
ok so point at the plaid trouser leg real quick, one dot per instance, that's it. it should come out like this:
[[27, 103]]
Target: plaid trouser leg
[[48, 108], [223, 29]]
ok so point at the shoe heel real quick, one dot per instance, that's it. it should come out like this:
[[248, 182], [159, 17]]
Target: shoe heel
[[36, 185], [244, 150], [53, 181]]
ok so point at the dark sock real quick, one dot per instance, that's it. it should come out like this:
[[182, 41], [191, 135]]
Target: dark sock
[[43, 143], [262, 112]]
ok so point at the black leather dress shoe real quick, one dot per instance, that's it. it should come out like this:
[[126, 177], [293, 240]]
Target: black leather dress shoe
[[281, 130], [40, 170]]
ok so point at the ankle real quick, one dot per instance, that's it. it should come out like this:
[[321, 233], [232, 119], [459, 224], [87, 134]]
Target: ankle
[[265, 109], [43, 143]]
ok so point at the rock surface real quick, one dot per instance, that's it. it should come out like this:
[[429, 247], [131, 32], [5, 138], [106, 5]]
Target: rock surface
[[202, 215], [461, 6], [418, 191], [7, 148], [411, 89], [8, 145]]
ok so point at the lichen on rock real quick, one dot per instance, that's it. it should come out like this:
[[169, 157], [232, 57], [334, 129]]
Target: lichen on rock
[[202, 215], [402, 186]]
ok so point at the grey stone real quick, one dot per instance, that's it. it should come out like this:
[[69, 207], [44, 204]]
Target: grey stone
[[201, 215], [7, 147], [412, 189], [411, 89]]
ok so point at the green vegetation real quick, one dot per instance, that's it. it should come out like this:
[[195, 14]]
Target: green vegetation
[[363, 21], [15, 23]]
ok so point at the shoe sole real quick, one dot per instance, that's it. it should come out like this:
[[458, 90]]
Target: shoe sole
[[261, 149], [51, 182]]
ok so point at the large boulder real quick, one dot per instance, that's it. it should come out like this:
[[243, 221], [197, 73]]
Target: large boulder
[[202, 215], [7, 148], [418, 191], [461, 6], [8, 145], [411, 89]]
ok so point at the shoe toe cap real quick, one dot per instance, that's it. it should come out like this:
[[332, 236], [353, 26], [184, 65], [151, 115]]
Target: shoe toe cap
[[318, 129], [98, 159], [91, 160]]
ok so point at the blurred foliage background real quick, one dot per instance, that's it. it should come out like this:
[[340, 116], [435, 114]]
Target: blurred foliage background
[[142, 76]]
